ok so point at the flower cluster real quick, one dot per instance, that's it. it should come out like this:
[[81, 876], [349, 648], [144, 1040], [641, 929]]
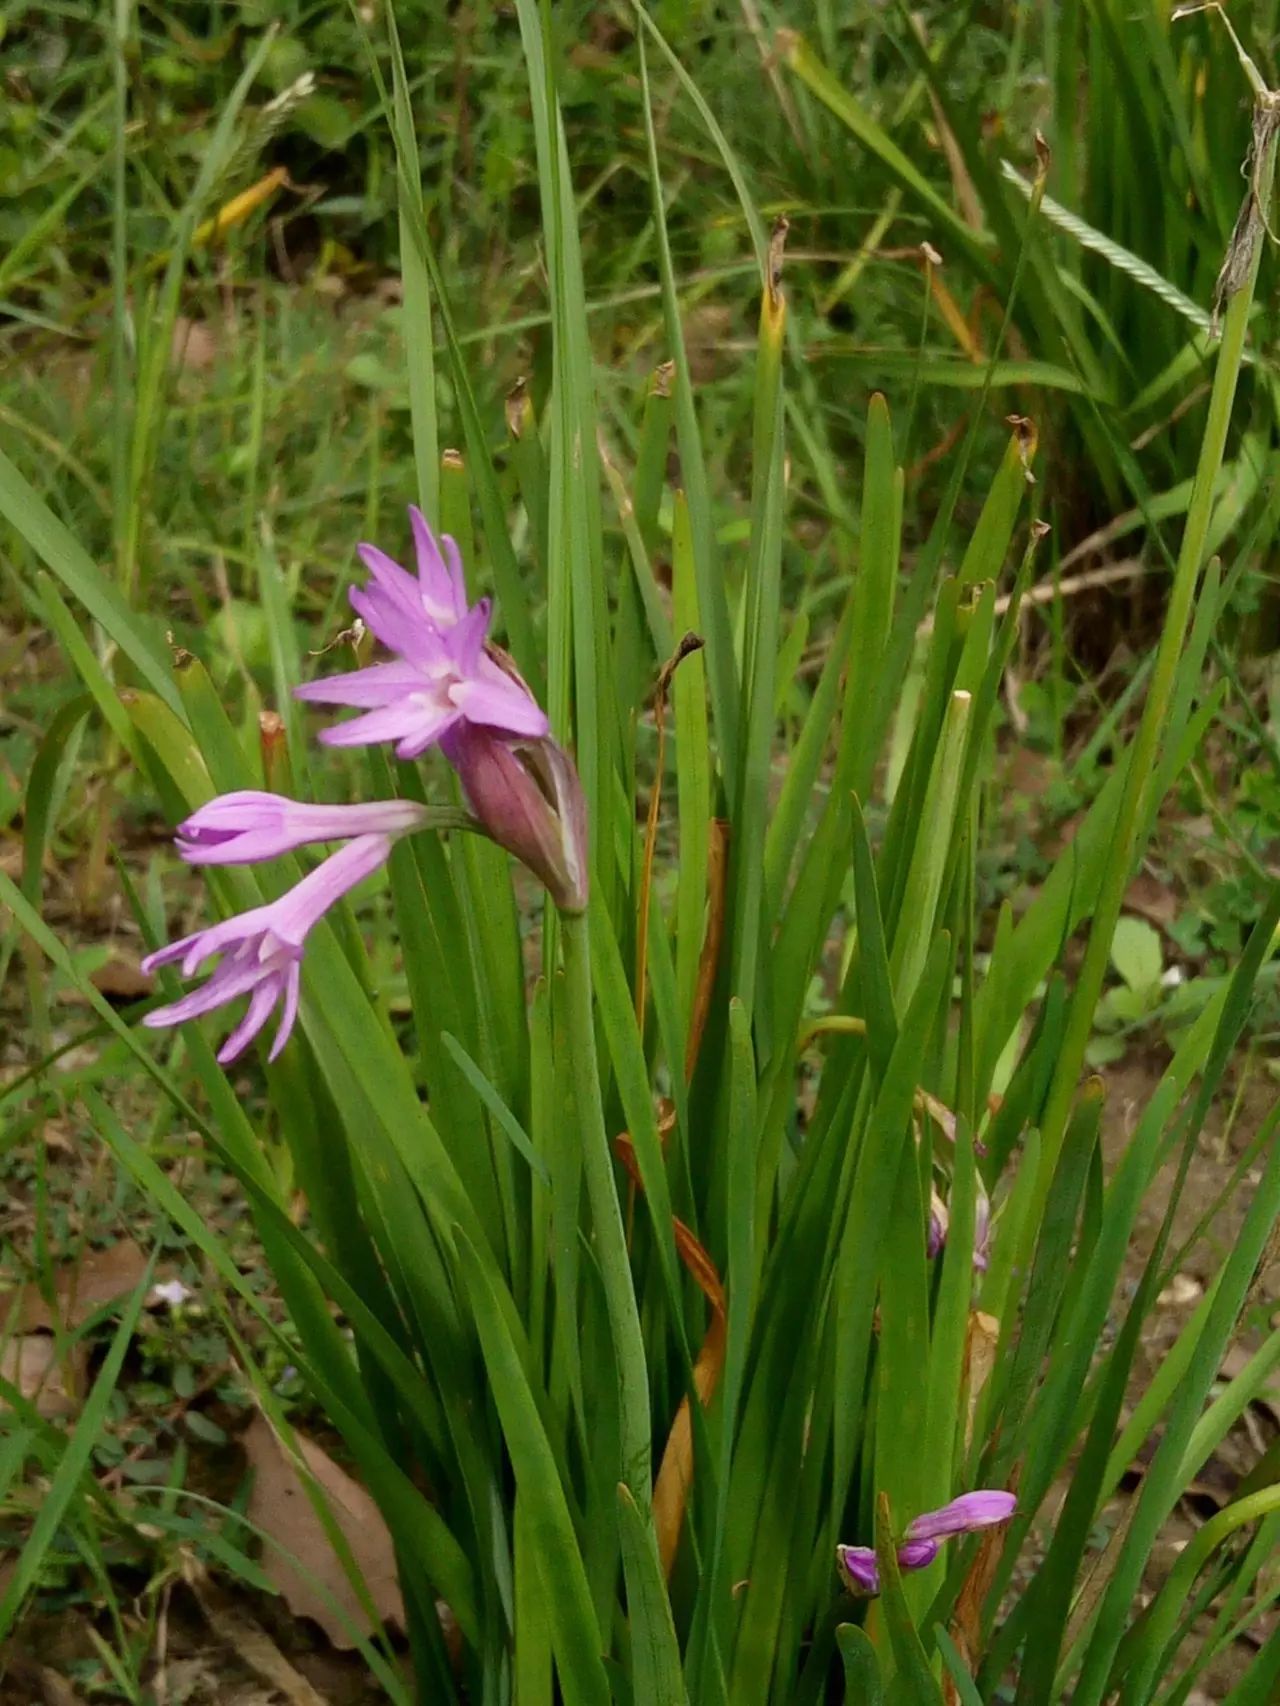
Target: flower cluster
[[446, 685], [922, 1541]]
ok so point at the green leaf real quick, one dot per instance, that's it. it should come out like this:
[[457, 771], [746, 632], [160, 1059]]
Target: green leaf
[[1136, 954], [553, 1546], [862, 1681], [655, 1672], [913, 1682]]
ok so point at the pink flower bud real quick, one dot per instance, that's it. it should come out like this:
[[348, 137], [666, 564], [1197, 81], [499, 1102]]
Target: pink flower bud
[[526, 796]]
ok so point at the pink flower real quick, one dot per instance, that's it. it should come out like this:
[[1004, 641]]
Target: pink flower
[[922, 1541], [861, 1572], [442, 679], [239, 828], [262, 950]]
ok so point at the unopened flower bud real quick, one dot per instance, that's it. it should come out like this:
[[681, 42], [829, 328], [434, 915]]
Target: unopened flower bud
[[526, 796]]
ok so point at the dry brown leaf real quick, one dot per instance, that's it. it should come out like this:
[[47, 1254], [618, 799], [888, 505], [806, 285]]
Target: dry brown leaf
[[966, 1622], [122, 977], [56, 1690], [51, 1688], [981, 1340], [79, 1288], [279, 1505], [54, 1384], [675, 1473], [249, 1641], [1151, 899]]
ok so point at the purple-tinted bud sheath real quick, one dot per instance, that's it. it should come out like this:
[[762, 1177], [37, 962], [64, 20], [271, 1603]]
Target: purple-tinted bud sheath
[[240, 828], [971, 1511]]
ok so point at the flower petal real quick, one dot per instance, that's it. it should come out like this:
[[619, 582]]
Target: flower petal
[[982, 1509], [302, 906], [467, 638], [500, 705], [396, 582], [378, 684], [292, 986], [261, 1003], [857, 1564], [232, 979], [170, 952], [917, 1554], [440, 587], [400, 721]]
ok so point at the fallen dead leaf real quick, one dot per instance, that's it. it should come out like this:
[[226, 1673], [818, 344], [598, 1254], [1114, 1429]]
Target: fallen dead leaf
[[249, 1641], [195, 345], [53, 1384], [79, 1288], [52, 1688], [1151, 899], [122, 977], [280, 1506]]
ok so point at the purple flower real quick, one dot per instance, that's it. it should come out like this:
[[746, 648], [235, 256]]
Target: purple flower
[[922, 1541], [239, 828], [858, 1566], [262, 949], [862, 1573], [527, 798], [963, 1515], [442, 679], [917, 1554]]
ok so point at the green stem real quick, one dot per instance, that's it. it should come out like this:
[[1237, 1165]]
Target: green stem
[[606, 1212], [1142, 759]]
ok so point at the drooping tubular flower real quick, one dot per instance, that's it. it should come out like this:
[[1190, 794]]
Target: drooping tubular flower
[[261, 950], [922, 1541], [243, 827]]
